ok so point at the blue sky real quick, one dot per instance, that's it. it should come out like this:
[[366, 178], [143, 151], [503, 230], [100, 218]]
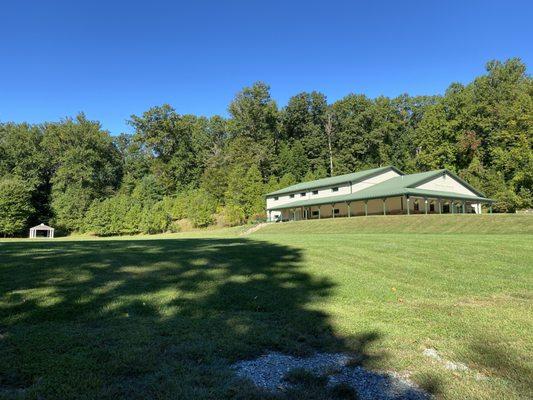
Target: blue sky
[[112, 59]]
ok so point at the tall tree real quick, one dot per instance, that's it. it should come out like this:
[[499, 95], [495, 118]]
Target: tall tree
[[15, 205], [246, 190], [356, 145], [22, 156], [485, 130], [253, 128], [168, 137], [85, 165], [135, 160], [303, 120]]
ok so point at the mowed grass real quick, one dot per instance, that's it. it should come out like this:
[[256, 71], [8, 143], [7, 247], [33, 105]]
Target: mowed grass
[[165, 317], [431, 223]]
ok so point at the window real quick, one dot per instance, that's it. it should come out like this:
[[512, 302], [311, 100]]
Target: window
[[446, 208], [315, 213], [416, 206], [432, 207], [336, 211], [276, 197], [335, 189], [292, 196], [315, 191], [302, 194]]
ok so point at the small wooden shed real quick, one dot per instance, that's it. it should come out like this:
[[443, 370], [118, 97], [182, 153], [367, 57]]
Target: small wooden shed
[[49, 231]]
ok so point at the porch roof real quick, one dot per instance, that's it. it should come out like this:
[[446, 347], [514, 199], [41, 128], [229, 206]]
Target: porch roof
[[398, 186]]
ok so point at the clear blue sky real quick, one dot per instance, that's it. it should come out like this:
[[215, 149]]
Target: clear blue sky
[[112, 59]]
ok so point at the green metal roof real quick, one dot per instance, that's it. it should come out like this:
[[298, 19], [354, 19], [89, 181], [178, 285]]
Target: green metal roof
[[334, 180], [399, 186]]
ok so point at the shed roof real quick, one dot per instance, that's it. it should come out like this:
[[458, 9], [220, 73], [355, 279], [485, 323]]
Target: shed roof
[[335, 180], [404, 185]]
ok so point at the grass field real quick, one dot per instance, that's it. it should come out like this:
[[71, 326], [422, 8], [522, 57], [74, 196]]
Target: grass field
[[164, 317]]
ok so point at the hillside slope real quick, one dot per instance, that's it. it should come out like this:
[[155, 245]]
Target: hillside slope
[[474, 224]]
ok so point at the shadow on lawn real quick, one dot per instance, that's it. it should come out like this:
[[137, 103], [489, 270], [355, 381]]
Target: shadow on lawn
[[154, 318], [490, 355]]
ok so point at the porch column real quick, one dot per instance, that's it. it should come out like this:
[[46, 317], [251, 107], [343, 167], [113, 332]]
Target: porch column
[[384, 207], [426, 206], [318, 212], [333, 210], [366, 208], [408, 205], [270, 216], [349, 209], [452, 207], [464, 207], [490, 208]]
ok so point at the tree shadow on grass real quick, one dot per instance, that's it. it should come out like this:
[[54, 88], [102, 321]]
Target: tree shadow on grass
[[153, 318], [492, 357]]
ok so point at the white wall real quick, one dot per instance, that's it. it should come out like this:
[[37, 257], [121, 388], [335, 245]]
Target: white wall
[[445, 183], [324, 192], [283, 199], [344, 188]]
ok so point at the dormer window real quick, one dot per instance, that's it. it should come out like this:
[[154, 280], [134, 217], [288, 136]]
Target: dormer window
[[315, 191], [335, 189], [302, 194], [276, 197], [292, 196]]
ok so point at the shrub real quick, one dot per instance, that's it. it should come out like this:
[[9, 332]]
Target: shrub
[[231, 215], [184, 225], [202, 206], [110, 216], [133, 219], [155, 219]]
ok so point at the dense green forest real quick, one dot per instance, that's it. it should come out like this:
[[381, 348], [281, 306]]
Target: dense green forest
[[178, 171]]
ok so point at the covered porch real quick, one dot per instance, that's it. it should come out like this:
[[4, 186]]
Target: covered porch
[[394, 205]]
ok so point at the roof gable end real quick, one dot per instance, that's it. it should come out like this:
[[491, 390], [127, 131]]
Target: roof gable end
[[434, 174]]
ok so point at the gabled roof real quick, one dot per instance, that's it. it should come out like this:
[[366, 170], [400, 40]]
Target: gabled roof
[[430, 175], [403, 185], [42, 226], [412, 181], [335, 180]]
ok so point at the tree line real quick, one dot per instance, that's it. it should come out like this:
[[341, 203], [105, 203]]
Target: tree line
[[176, 171]]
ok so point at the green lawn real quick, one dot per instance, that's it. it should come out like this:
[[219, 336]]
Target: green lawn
[[164, 317]]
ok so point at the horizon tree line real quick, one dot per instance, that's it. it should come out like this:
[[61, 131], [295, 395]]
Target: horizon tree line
[[180, 170]]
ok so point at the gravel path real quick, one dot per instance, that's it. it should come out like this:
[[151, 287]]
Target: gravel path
[[267, 372]]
